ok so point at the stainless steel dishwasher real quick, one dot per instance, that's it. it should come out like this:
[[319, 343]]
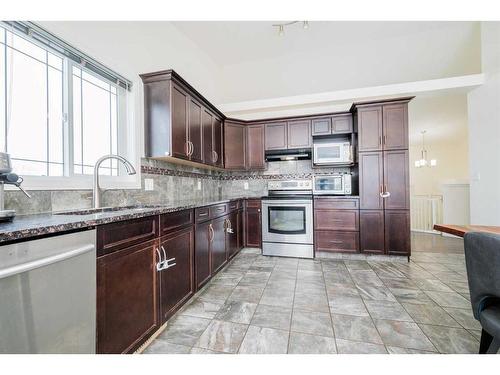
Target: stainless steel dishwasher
[[48, 295]]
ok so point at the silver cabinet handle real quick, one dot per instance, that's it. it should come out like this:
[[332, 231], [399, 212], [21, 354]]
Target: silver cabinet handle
[[164, 253], [159, 265], [168, 264], [385, 194], [215, 157], [211, 233], [191, 148]]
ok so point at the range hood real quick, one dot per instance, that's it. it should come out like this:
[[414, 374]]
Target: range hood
[[281, 155]]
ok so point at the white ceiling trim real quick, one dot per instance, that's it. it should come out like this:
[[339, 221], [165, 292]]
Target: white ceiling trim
[[339, 99]]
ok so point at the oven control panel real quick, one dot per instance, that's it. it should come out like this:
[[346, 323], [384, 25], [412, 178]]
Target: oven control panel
[[302, 184]]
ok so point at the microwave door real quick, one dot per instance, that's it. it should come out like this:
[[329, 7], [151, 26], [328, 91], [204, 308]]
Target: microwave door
[[327, 154], [329, 185]]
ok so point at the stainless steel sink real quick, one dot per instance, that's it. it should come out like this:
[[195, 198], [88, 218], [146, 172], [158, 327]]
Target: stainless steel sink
[[93, 211]]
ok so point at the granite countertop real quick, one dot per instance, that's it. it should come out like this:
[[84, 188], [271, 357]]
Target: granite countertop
[[26, 226]]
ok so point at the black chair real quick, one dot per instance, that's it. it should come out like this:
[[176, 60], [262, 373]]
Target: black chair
[[482, 257]]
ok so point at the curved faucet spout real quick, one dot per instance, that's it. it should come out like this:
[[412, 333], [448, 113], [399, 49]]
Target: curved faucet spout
[[96, 190]]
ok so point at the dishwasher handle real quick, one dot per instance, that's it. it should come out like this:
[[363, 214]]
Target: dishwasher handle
[[28, 266]]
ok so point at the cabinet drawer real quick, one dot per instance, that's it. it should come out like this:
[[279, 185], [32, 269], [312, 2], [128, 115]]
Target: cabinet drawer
[[218, 210], [337, 203], [344, 220], [234, 205], [202, 214], [252, 203], [122, 234], [175, 220], [337, 241]]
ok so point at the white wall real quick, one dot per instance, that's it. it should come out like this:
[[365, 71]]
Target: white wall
[[444, 51], [484, 132], [444, 117]]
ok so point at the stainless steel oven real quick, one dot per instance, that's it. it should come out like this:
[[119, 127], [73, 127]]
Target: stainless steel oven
[[287, 219]]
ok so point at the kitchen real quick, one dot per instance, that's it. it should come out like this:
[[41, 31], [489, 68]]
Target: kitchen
[[208, 229]]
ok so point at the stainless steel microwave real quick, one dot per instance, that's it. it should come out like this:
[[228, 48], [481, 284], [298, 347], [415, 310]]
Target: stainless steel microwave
[[340, 184], [332, 153]]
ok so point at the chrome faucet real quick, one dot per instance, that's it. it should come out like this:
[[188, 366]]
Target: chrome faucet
[[96, 190]]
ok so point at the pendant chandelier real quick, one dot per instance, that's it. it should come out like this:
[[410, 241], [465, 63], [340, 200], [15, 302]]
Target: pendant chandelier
[[423, 162]]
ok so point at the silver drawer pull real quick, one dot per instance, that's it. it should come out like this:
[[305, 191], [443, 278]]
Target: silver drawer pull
[[203, 214], [336, 241]]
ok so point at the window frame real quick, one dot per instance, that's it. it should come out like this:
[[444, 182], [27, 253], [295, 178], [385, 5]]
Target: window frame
[[127, 136]]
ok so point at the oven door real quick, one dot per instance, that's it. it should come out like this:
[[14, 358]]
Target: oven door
[[329, 185], [287, 221]]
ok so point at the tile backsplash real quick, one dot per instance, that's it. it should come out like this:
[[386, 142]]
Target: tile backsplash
[[172, 182]]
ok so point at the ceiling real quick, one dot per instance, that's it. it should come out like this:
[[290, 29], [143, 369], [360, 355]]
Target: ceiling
[[235, 42]]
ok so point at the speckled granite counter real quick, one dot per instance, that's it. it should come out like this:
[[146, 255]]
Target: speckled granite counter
[[26, 226]]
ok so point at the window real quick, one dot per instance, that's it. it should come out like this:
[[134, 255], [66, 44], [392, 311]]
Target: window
[[56, 116]]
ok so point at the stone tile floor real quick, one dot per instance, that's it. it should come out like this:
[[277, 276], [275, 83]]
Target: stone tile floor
[[261, 304]]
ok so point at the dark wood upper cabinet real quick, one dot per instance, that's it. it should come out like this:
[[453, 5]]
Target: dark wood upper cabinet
[[195, 131], [255, 147], [218, 138], [234, 148], [396, 180], [397, 232], [342, 124], [207, 125], [177, 281], [299, 134], [180, 101], [127, 299], [395, 126], [321, 126], [276, 136], [370, 128], [371, 231], [371, 179]]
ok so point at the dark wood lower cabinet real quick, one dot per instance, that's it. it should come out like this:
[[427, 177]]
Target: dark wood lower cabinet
[[127, 298], [202, 254], [335, 241], [218, 254], [176, 281], [397, 232], [253, 223], [232, 234], [371, 231]]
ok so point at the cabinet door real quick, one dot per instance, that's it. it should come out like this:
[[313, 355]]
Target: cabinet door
[[195, 130], [276, 138], [253, 227], [176, 282], [232, 234], [255, 147], [241, 230], [202, 254], [218, 254], [127, 300], [207, 125], [396, 180], [321, 126], [299, 134], [342, 124], [371, 231], [180, 100], [370, 128], [395, 126], [397, 232], [217, 145], [234, 149], [371, 179]]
